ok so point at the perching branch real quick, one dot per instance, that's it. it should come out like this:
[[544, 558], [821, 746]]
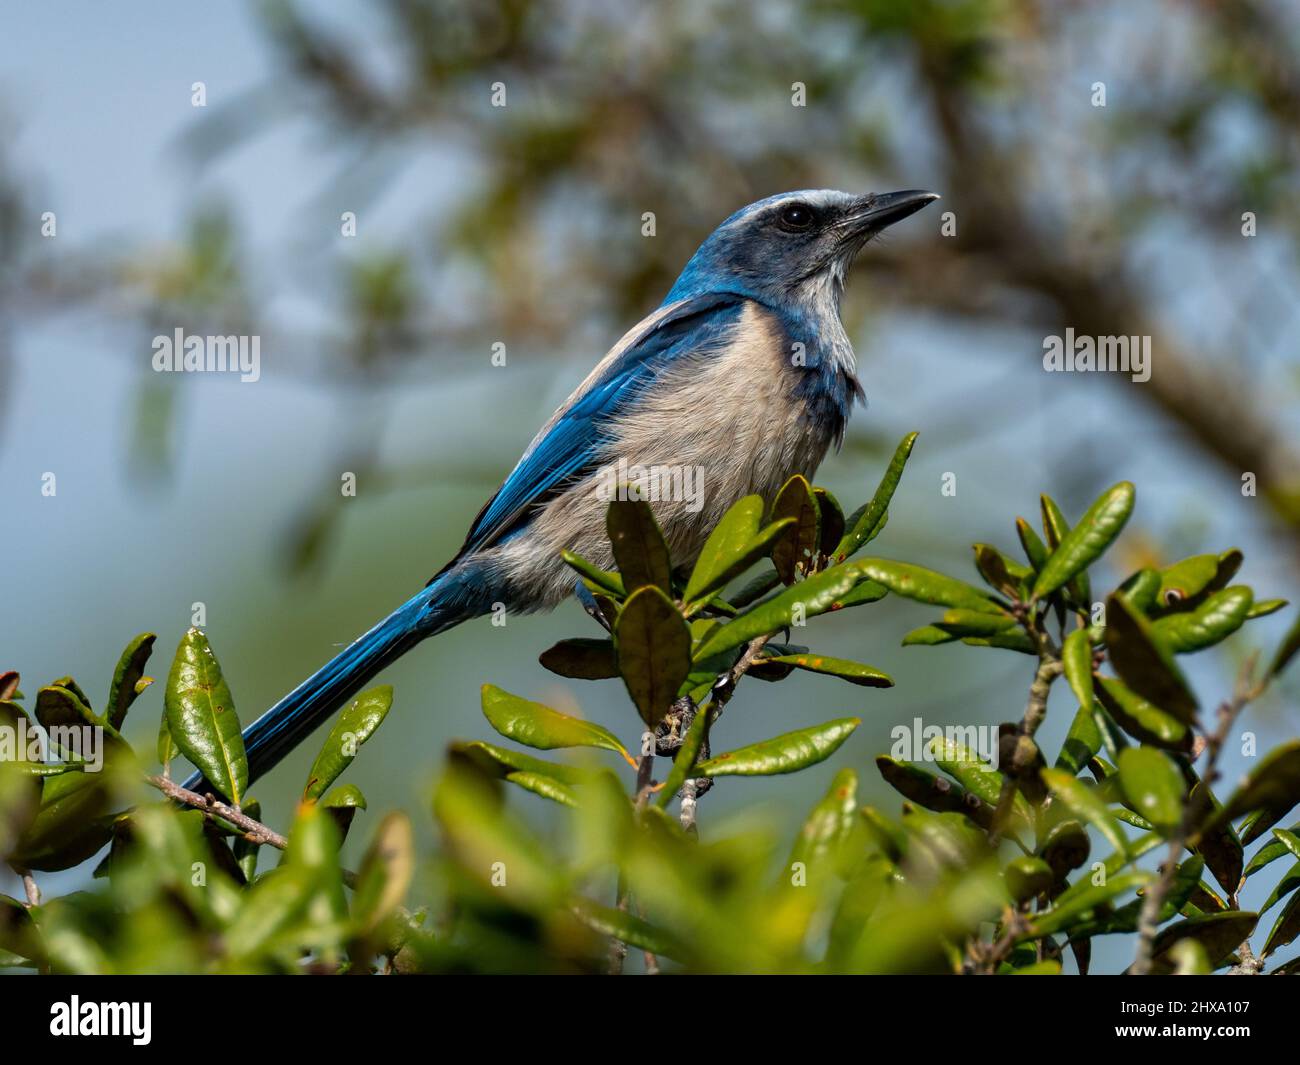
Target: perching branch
[[254, 831]]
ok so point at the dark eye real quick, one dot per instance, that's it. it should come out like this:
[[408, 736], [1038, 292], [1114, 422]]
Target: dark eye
[[796, 217]]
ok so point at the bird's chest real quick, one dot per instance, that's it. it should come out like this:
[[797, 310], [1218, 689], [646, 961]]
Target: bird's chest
[[734, 422]]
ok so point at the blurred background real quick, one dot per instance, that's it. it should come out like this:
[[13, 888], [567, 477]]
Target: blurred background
[[522, 225]]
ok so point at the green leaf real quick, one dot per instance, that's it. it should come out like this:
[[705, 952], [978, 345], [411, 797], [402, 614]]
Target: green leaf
[[127, 677], [632, 930], [796, 548], [1264, 607], [926, 586], [353, 727], [502, 761], [735, 544], [787, 753], [819, 593], [976, 623], [1081, 800], [1217, 618], [653, 645], [640, 552], [1219, 845], [1285, 928], [1153, 785], [1273, 787], [385, 873], [1083, 740], [1144, 664], [830, 824], [581, 659], [687, 753], [1185, 583], [976, 776], [272, 905], [1268, 853], [1141, 590], [245, 850], [1001, 573], [545, 786], [1056, 528], [1027, 877], [853, 672], [1034, 548], [831, 515], [167, 749], [1076, 907], [1076, 657], [1289, 882], [57, 706], [1142, 720], [757, 587], [866, 521], [601, 579], [1218, 933], [1065, 847], [1286, 649], [201, 717], [928, 636], [932, 791], [1086, 542], [538, 726]]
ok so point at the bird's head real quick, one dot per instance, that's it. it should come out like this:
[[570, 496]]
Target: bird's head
[[796, 246]]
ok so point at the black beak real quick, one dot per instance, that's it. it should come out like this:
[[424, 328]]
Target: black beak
[[874, 212]]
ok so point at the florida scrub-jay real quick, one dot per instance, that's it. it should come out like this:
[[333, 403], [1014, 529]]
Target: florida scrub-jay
[[744, 373]]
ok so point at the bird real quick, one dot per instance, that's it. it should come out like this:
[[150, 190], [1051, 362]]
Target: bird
[[744, 373]]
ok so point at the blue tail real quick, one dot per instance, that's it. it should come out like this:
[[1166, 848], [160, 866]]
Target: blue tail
[[288, 722]]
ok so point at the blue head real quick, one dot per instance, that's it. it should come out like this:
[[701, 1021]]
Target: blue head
[[793, 249]]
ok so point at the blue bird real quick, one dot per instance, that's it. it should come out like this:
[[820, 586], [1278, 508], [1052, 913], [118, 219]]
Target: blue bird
[[744, 373]]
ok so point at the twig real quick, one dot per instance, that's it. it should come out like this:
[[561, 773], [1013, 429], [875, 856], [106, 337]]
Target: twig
[[1153, 900], [30, 887], [254, 831]]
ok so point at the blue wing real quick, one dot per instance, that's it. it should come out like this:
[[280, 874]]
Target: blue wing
[[568, 447]]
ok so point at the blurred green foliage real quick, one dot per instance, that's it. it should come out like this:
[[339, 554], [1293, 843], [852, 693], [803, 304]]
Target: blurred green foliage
[[989, 865]]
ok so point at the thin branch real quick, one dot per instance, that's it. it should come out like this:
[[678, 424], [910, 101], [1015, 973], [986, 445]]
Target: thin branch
[[1153, 900], [254, 831], [31, 888]]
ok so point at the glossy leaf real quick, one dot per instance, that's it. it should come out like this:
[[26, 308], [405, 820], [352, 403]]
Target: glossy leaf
[[800, 541], [1218, 933], [829, 825], [853, 672], [926, 586], [640, 553], [831, 516], [356, 724], [1082, 742], [1144, 664], [581, 659], [1273, 787], [1217, 618], [1086, 542], [1285, 928], [502, 761], [735, 544], [819, 593], [545, 786], [787, 753], [1153, 785], [1081, 800], [865, 522], [201, 717], [1219, 845], [385, 873], [932, 791], [127, 678], [1076, 657], [1032, 544], [653, 645], [1140, 719], [600, 579], [538, 726]]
